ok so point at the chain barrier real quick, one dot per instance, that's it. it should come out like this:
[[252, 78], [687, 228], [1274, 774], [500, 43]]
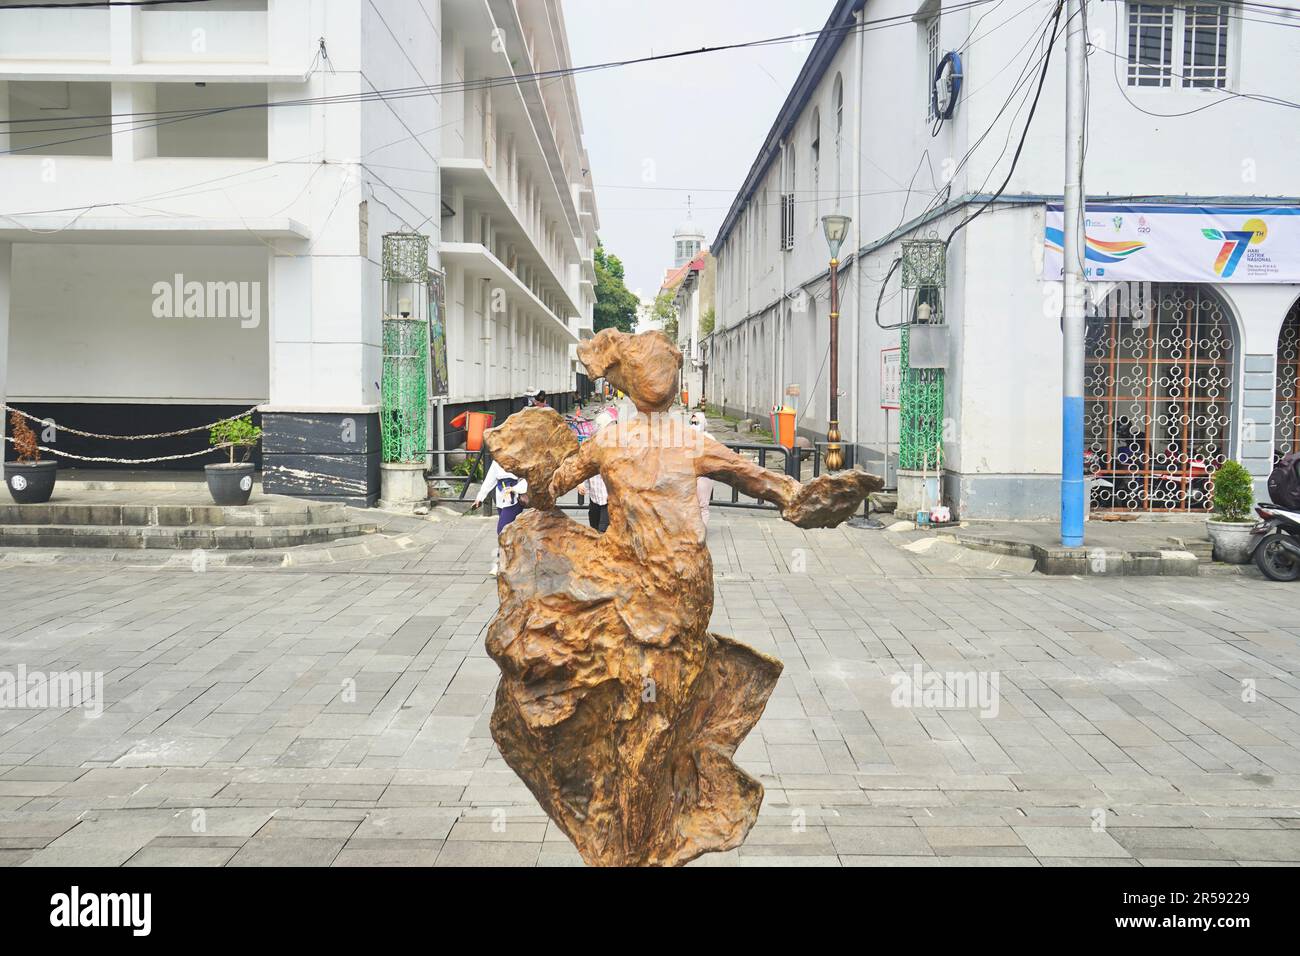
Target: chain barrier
[[130, 461], [172, 434]]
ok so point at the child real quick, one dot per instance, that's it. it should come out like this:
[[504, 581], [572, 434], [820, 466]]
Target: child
[[594, 488], [508, 489]]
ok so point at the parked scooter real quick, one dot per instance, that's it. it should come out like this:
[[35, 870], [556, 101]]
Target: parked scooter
[[1277, 545]]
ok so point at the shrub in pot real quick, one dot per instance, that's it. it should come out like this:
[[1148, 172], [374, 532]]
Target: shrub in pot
[[1230, 525], [29, 480], [231, 482]]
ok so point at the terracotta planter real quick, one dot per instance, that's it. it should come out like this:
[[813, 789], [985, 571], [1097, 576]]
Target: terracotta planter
[[30, 483], [1232, 540]]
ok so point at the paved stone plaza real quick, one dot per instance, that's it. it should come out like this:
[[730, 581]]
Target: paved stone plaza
[[338, 715]]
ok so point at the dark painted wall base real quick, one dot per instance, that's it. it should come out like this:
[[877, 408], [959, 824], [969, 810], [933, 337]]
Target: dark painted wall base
[[127, 419], [324, 456]]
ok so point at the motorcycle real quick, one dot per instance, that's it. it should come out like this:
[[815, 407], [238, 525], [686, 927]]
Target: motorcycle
[[1276, 551]]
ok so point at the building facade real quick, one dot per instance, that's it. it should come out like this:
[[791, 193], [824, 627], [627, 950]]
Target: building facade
[[1186, 366], [692, 286], [193, 202]]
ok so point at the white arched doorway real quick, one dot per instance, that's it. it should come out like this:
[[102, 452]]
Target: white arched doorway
[[1158, 397]]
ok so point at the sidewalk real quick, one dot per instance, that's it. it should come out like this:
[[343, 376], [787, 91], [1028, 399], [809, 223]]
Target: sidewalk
[[339, 715], [1142, 547]]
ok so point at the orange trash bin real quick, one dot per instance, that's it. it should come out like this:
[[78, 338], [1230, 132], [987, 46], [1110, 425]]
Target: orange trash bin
[[476, 423], [783, 425]]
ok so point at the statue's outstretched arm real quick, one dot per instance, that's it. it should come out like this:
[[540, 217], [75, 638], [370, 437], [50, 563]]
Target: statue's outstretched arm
[[718, 461], [823, 502], [577, 467]]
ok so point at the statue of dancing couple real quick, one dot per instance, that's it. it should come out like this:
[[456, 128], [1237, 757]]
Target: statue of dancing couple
[[617, 707]]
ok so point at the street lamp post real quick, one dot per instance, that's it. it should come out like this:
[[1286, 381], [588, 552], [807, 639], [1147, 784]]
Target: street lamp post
[[836, 228]]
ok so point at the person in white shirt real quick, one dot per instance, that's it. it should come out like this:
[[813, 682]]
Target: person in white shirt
[[508, 489], [597, 502], [594, 488], [703, 485]]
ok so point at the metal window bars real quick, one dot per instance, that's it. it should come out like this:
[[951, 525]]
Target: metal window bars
[[1158, 399]]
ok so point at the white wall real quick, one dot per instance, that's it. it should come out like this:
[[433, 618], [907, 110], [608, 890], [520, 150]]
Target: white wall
[[82, 326], [1009, 365]]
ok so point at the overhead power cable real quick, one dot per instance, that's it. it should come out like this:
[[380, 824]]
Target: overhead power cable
[[164, 117]]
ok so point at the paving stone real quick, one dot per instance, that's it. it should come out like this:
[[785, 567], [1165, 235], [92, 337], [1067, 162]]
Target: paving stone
[[287, 851], [1069, 841], [227, 737]]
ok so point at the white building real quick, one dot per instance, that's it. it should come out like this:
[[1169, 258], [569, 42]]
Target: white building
[[692, 287], [1191, 365], [261, 149], [688, 239]]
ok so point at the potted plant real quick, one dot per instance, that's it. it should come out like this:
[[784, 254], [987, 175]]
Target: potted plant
[[30, 481], [1230, 525], [231, 482]]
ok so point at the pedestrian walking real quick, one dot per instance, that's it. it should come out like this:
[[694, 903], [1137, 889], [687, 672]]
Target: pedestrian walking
[[509, 490], [703, 485], [597, 502]]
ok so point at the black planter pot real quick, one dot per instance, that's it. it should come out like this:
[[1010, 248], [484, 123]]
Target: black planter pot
[[230, 484], [30, 483]]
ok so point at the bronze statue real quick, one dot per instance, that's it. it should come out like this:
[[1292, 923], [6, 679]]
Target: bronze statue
[[616, 706]]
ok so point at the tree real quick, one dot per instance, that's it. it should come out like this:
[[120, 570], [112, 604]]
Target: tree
[[615, 304], [707, 321], [665, 312]]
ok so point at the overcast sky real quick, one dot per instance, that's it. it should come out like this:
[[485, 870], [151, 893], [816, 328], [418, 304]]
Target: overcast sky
[[691, 125]]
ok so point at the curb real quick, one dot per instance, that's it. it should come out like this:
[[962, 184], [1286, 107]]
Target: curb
[[1102, 562]]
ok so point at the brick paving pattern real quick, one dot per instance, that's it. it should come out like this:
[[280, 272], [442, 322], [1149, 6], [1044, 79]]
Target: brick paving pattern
[[339, 716]]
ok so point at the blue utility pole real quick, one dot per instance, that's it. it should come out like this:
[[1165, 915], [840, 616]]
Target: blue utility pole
[[1072, 318]]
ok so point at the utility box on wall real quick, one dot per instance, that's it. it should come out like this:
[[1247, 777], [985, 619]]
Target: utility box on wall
[[928, 346]]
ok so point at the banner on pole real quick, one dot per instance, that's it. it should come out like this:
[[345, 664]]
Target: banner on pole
[[1169, 243]]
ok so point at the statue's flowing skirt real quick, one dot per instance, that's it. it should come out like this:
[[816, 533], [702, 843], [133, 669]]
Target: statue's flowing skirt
[[617, 707]]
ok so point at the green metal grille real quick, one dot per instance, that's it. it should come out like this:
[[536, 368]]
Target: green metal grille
[[924, 263], [405, 391], [406, 257], [920, 427]]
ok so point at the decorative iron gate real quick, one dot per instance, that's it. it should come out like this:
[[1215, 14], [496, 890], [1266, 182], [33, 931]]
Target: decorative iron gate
[[1288, 386], [1158, 390]]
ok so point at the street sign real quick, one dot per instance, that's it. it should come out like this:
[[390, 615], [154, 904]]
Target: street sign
[[891, 377]]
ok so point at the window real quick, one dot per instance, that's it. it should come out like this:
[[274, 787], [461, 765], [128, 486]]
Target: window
[[1187, 42], [39, 111], [816, 160], [224, 132], [839, 136], [931, 61], [1205, 45], [787, 203]]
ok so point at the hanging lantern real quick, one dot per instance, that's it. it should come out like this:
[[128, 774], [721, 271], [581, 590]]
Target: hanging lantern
[[404, 383]]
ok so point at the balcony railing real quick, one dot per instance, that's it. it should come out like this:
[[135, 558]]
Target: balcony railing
[[80, 35], [203, 34]]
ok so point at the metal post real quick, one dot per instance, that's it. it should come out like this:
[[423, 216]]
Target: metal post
[[834, 457], [1072, 319]]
